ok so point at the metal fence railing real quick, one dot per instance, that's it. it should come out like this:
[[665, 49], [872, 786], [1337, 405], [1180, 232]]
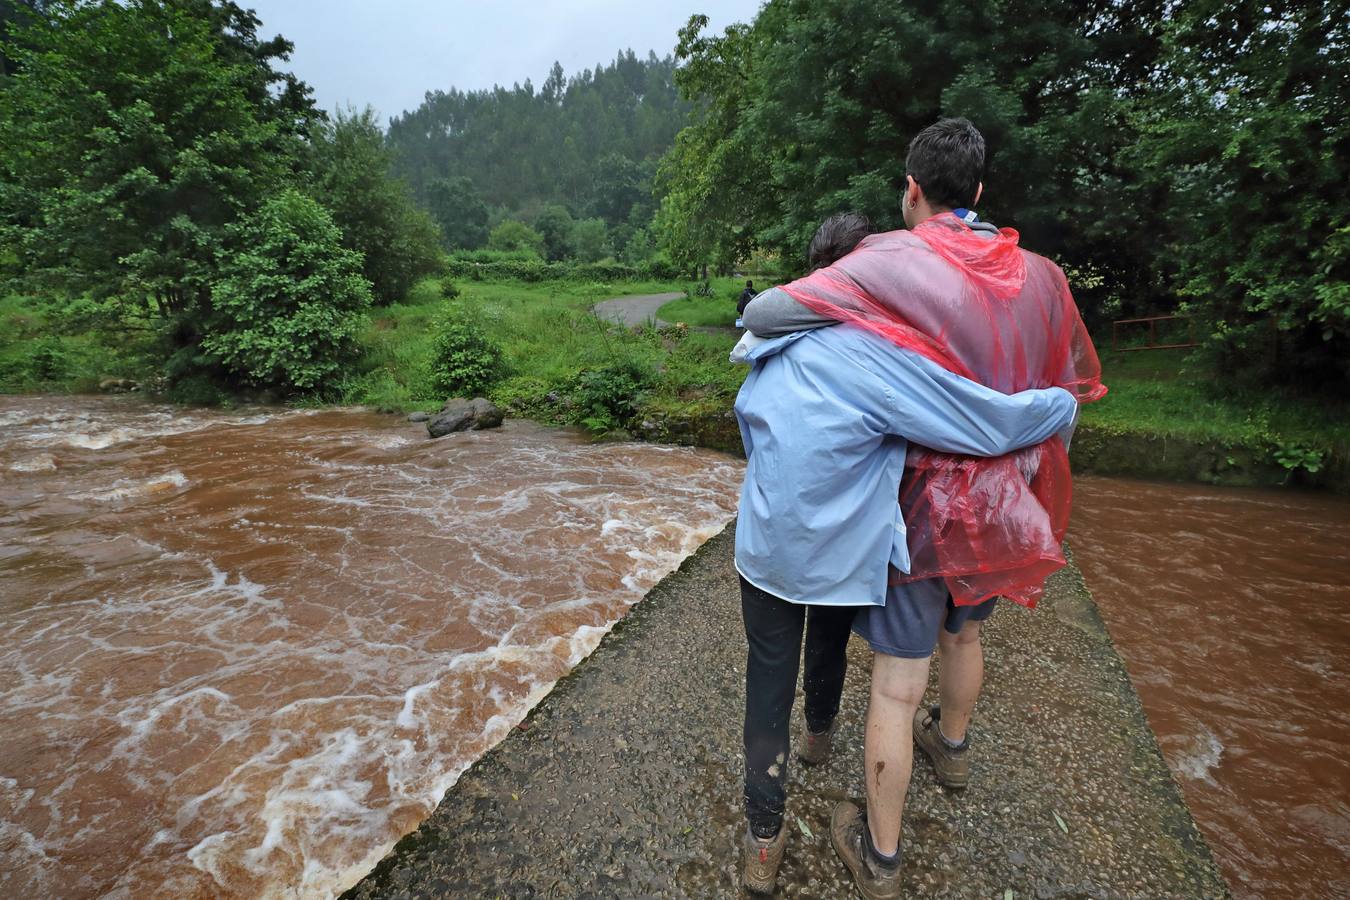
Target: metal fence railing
[[1152, 322]]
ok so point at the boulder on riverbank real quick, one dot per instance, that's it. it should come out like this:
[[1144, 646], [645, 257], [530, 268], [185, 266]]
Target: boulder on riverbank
[[459, 414]]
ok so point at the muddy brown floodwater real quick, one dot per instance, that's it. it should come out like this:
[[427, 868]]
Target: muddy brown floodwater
[[243, 654], [1232, 610]]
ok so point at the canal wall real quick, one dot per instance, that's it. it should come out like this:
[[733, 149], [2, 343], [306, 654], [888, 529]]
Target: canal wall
[[625, 780]]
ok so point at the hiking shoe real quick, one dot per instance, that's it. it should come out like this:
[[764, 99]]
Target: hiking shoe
[[813, 749], [762, 858], [951, 764], [847, 830]]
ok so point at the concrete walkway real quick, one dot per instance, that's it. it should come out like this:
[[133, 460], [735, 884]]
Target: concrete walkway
[[635, 311], [625, 781]]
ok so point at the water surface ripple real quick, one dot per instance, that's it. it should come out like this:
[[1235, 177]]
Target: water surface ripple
[[244, 653], [1232, 610]]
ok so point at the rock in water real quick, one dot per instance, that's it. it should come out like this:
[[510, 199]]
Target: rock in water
[[419, 417], [464, 415]]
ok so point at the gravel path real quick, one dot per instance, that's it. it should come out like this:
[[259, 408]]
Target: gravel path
[[635, 311], [625, 781]]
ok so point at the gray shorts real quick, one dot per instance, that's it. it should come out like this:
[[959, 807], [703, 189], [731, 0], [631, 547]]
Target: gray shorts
[[908, 624]]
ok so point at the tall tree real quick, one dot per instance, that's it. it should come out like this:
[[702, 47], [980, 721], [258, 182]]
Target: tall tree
[[809, 111], [146, 129], [459, 209], [398, 242], [1247, 143]]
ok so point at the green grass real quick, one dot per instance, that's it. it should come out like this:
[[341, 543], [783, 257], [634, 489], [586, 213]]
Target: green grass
[[1155, 392], [553, 347], [719, 309], [51, 347], [549, 338]]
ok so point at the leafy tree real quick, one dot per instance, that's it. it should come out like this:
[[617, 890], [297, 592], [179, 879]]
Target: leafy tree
[[397, 241], [809, 110], [639, 248], [460, 211], [290, 300], [555, 225], [590, 240], [1247, 143], [12, 14], [146, 129], [514, 235]]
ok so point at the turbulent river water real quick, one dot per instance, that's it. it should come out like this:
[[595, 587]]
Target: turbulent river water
[[243, 654], [1232, 611]]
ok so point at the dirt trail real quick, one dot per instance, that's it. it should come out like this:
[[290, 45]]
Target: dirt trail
[[625, 781]]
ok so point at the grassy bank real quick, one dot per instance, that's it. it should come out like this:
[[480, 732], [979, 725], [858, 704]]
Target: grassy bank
[[714, 309], [1253, 435], [563, 365]]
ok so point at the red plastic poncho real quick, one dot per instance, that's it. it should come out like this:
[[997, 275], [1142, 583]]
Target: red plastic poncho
[[994, 313]]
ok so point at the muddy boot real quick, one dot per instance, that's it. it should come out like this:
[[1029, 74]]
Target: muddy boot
[[952, 764], [762, 857], [813, 749], [848, 831]]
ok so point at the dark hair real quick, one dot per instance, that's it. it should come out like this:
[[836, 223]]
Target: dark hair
[[836, 237], [749, 284], [947, 160]]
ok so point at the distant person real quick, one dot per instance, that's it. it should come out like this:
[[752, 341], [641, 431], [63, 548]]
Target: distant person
[[961, 297], [825, 416], [746, 296]]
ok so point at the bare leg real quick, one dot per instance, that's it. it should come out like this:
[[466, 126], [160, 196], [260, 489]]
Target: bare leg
[[898, 684], [960, 676]]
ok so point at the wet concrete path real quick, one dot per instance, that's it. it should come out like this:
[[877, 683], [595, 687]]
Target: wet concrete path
[[635, 311], [625, 781]]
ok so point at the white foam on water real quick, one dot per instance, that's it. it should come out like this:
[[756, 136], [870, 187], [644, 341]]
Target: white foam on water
[[42, 462], [1202, 756], [130, 490], [278, 682]]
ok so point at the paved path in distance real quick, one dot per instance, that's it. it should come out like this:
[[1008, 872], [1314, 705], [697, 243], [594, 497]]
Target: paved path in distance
[[635, 311]]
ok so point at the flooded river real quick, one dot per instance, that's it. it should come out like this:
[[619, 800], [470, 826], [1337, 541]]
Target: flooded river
[[243, 654], [1232, 610]]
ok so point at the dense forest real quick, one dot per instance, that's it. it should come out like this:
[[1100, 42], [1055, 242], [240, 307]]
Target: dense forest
[[163, 174], [586, 145]]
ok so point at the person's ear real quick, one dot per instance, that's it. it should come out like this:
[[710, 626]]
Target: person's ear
[[910, 197], [979, 189]]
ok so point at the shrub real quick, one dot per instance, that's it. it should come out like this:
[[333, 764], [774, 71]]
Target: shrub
[[477, 268], [607, 397], [287, 310], [513, 235], [464, 360]]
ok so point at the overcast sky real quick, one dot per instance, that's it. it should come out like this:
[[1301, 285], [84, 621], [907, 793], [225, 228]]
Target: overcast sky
[[388, 54]]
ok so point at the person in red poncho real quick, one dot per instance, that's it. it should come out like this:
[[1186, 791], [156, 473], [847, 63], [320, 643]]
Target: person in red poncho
[[967, 297]]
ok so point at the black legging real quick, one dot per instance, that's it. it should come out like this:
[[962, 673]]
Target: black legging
[[773, 633]]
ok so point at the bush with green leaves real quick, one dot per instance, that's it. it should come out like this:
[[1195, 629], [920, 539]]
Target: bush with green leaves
[[512, 235], [286, 311], [607, 397], [464, 360]]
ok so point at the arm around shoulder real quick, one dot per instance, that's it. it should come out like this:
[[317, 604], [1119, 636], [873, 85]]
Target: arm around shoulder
[[775, 313]]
